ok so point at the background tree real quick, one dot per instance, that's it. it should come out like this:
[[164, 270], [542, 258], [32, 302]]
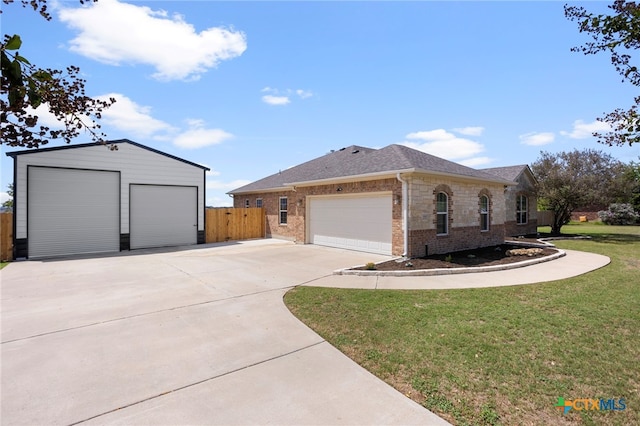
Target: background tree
[[569, 180], [9, 203], [631, 180], [618, 34], [25, 87]]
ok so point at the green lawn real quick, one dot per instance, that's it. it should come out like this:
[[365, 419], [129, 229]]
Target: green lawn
[[501, 355], [3, 264]]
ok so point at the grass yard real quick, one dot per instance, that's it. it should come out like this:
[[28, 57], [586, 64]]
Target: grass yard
[[3, 264], [502, 355]]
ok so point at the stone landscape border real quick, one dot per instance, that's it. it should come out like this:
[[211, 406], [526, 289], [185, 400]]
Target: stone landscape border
[[453, 271]]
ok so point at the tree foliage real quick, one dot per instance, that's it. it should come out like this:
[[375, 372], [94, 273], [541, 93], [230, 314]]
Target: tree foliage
[[618, 34], [9, 203], [570, 180], [25, 87]]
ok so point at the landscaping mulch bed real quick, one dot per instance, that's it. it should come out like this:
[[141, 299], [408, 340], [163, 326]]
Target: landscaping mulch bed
[[487, 256]]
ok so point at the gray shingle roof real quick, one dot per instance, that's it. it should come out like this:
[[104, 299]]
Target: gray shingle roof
[[356, 161], [508, 172]]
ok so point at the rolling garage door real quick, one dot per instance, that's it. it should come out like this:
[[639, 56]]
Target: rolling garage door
[[163, 215], [355, 223], [72, 211]]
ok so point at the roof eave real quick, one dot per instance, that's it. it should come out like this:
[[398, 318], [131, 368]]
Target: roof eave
[[352, 178], [256, 191], [465, 177]]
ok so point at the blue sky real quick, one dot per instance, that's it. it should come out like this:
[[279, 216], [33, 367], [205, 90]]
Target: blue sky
[[250, 88]]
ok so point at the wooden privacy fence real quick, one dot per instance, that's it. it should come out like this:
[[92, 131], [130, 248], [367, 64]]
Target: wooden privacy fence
[[226, 224], [6, 236], [545, 218]]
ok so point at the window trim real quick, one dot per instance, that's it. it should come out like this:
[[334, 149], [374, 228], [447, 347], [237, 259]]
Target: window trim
[[444, 213], [259, 202], [284, 211], [520, 211], [484, 213]]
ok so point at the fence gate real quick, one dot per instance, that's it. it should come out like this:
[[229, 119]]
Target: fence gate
[[227, 224]]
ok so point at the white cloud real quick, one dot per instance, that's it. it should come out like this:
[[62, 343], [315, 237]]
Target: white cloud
[[4, 197], [444, 144], [582, 130], [131, 118], [114, 33], [470, 131], [45, 118], [275, 100], [537, 139], [477, 161], [220, 201], [283, 97], [226, 186], [304, 94], [197, 136]]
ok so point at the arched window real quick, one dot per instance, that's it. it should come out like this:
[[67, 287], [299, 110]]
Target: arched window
[[442, 211], [521, 209], [484, 213]]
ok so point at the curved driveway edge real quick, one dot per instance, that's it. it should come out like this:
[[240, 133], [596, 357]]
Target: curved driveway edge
[[451, 271], [195, 335], [572, 264]]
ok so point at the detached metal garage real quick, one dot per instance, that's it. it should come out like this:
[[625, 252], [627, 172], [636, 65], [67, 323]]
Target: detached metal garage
[[351, 222], [90, 199]]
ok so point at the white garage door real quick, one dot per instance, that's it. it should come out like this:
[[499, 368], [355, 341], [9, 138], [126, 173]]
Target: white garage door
[[355, 223], [163, 216], [72, 211]]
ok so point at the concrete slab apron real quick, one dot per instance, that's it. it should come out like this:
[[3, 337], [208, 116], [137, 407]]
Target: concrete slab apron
[[197, 337]]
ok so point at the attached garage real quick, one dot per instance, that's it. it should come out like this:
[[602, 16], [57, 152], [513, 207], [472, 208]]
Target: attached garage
[[81, 199], [360, 223]]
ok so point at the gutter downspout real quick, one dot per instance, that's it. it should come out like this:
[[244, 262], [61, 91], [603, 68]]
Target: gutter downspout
[[405, 214]]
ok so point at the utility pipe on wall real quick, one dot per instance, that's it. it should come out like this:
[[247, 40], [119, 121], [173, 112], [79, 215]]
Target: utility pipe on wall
[[405, 214]]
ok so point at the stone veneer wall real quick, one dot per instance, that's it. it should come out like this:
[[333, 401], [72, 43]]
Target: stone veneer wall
[[464, 215], [525, 187]]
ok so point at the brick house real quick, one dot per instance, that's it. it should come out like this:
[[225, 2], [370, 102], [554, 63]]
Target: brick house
[[521, 201], [394, 200]]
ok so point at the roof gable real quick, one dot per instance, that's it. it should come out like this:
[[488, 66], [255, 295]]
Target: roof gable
[[14, 154], [511, 172], [357, 161]]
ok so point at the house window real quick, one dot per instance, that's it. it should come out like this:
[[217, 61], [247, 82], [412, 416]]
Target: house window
[[442, 210], [521, 209], [283, 210], [484, 213], [259, 202], [246, 203]]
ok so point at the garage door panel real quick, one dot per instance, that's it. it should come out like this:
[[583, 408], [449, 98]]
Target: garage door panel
[[163, 216], [72, 211], [355, 223]]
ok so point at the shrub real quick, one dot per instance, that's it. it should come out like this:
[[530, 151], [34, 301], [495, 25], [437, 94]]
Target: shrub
[[370, 266], [619, 214]]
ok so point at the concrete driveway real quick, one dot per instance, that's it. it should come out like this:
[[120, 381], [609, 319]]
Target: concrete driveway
[[195, 336]]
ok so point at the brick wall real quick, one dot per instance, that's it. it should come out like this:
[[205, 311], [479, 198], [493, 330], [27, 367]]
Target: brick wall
[[464, 215], [295, 228], [513, 229], [464, 212]]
